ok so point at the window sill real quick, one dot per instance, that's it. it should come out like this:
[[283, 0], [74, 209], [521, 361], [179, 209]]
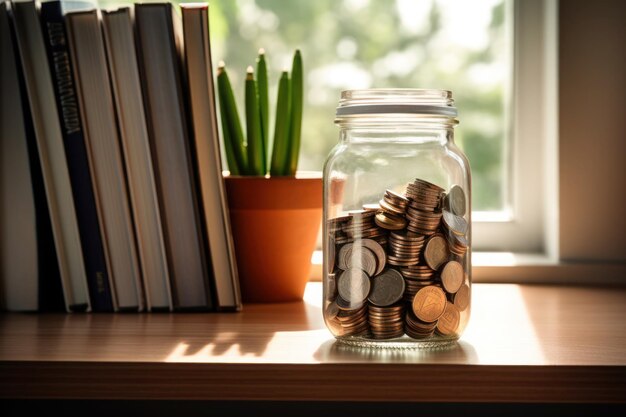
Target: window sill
[[527, 268], [523, 343]]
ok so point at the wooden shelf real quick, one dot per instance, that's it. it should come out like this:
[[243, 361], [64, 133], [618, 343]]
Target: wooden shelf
[[523, 344]]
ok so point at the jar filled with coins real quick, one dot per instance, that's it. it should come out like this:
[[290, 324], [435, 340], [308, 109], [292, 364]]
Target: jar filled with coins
[[397, 221]]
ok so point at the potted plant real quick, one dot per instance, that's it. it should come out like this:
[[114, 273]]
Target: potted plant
[[275, 214]]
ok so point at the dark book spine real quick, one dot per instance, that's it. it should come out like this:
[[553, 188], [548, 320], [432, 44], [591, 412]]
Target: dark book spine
[[49, 289], [53, 27]]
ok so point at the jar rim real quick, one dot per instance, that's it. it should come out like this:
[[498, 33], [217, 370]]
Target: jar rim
[[396, 101]]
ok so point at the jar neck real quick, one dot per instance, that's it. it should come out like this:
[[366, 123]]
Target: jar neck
[[397, 134]]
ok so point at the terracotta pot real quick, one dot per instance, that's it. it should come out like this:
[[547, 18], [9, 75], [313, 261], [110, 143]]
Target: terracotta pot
[[275, 222]]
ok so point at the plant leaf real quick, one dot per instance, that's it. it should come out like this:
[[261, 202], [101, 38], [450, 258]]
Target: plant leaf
[[263, 91], [230, 115], [295, 126], [253, 127], [281, 128]]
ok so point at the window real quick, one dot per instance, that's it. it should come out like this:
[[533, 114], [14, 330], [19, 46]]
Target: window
[[497, 56]]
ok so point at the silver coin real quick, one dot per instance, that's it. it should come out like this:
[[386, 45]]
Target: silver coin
[[387, 288], [456, 224], [381, 257], [353, 285], [455, 201], [363, 259], [344, 256]]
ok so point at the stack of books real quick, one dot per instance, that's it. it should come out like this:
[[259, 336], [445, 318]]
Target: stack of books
[[111, 189]]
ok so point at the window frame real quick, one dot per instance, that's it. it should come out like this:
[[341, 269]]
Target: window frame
[[530, 225]]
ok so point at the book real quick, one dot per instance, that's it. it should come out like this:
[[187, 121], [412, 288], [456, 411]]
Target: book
[[18, 233], [159, 48], [95, 98], [52, 157], [53, 27], [122, 59], [208, 158]]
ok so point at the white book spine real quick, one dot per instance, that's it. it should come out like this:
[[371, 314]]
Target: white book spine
[[122, 60], [105, 156], [204, 116], [52, 154]]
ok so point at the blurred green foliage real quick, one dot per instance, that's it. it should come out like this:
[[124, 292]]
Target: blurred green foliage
[[457, 45]]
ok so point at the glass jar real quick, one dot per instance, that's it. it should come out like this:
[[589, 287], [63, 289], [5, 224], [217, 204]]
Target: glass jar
[[397, 221]]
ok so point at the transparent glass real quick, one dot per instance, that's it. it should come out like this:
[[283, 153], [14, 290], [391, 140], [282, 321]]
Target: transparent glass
[[397, 221]]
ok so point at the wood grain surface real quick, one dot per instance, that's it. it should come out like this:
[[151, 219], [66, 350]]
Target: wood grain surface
[[523, 344]]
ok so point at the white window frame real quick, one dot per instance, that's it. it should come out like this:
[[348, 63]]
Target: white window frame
[[530, 224]]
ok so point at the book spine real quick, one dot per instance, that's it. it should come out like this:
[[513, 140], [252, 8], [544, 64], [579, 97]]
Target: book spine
[[49, 294], [159, 40], [53, 27]]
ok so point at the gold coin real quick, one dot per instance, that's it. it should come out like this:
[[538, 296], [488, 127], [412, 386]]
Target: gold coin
[[436, 251], [452, 276], [448, 323], [429, 303], [462, 297], [371, 207], [387, 221], [391, 208]]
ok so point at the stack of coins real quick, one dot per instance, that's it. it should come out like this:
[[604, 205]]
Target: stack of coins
[[393, 203], [418, 329], [392, 210], [354, 322], [429, 304], [417, 277], [360, 225], [424, 196], [386, 322], [422, 222], [335, 229], [404, 248], [458, 244], [399, 266]]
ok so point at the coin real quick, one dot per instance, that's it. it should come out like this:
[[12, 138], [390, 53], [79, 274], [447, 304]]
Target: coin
[[417, 329], [458, 244], [462, 297], [362, 258], [386, 322], [448, 323], [455, 224], [429, 303], [331, 287], [396, 197], [455, 200], [331, 254], [332, 310], [347, 305], [386, 288], [436, 251], [452, 276], [389, 221], [371, 207], [378, 251], [344, 256], [353, 285]]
